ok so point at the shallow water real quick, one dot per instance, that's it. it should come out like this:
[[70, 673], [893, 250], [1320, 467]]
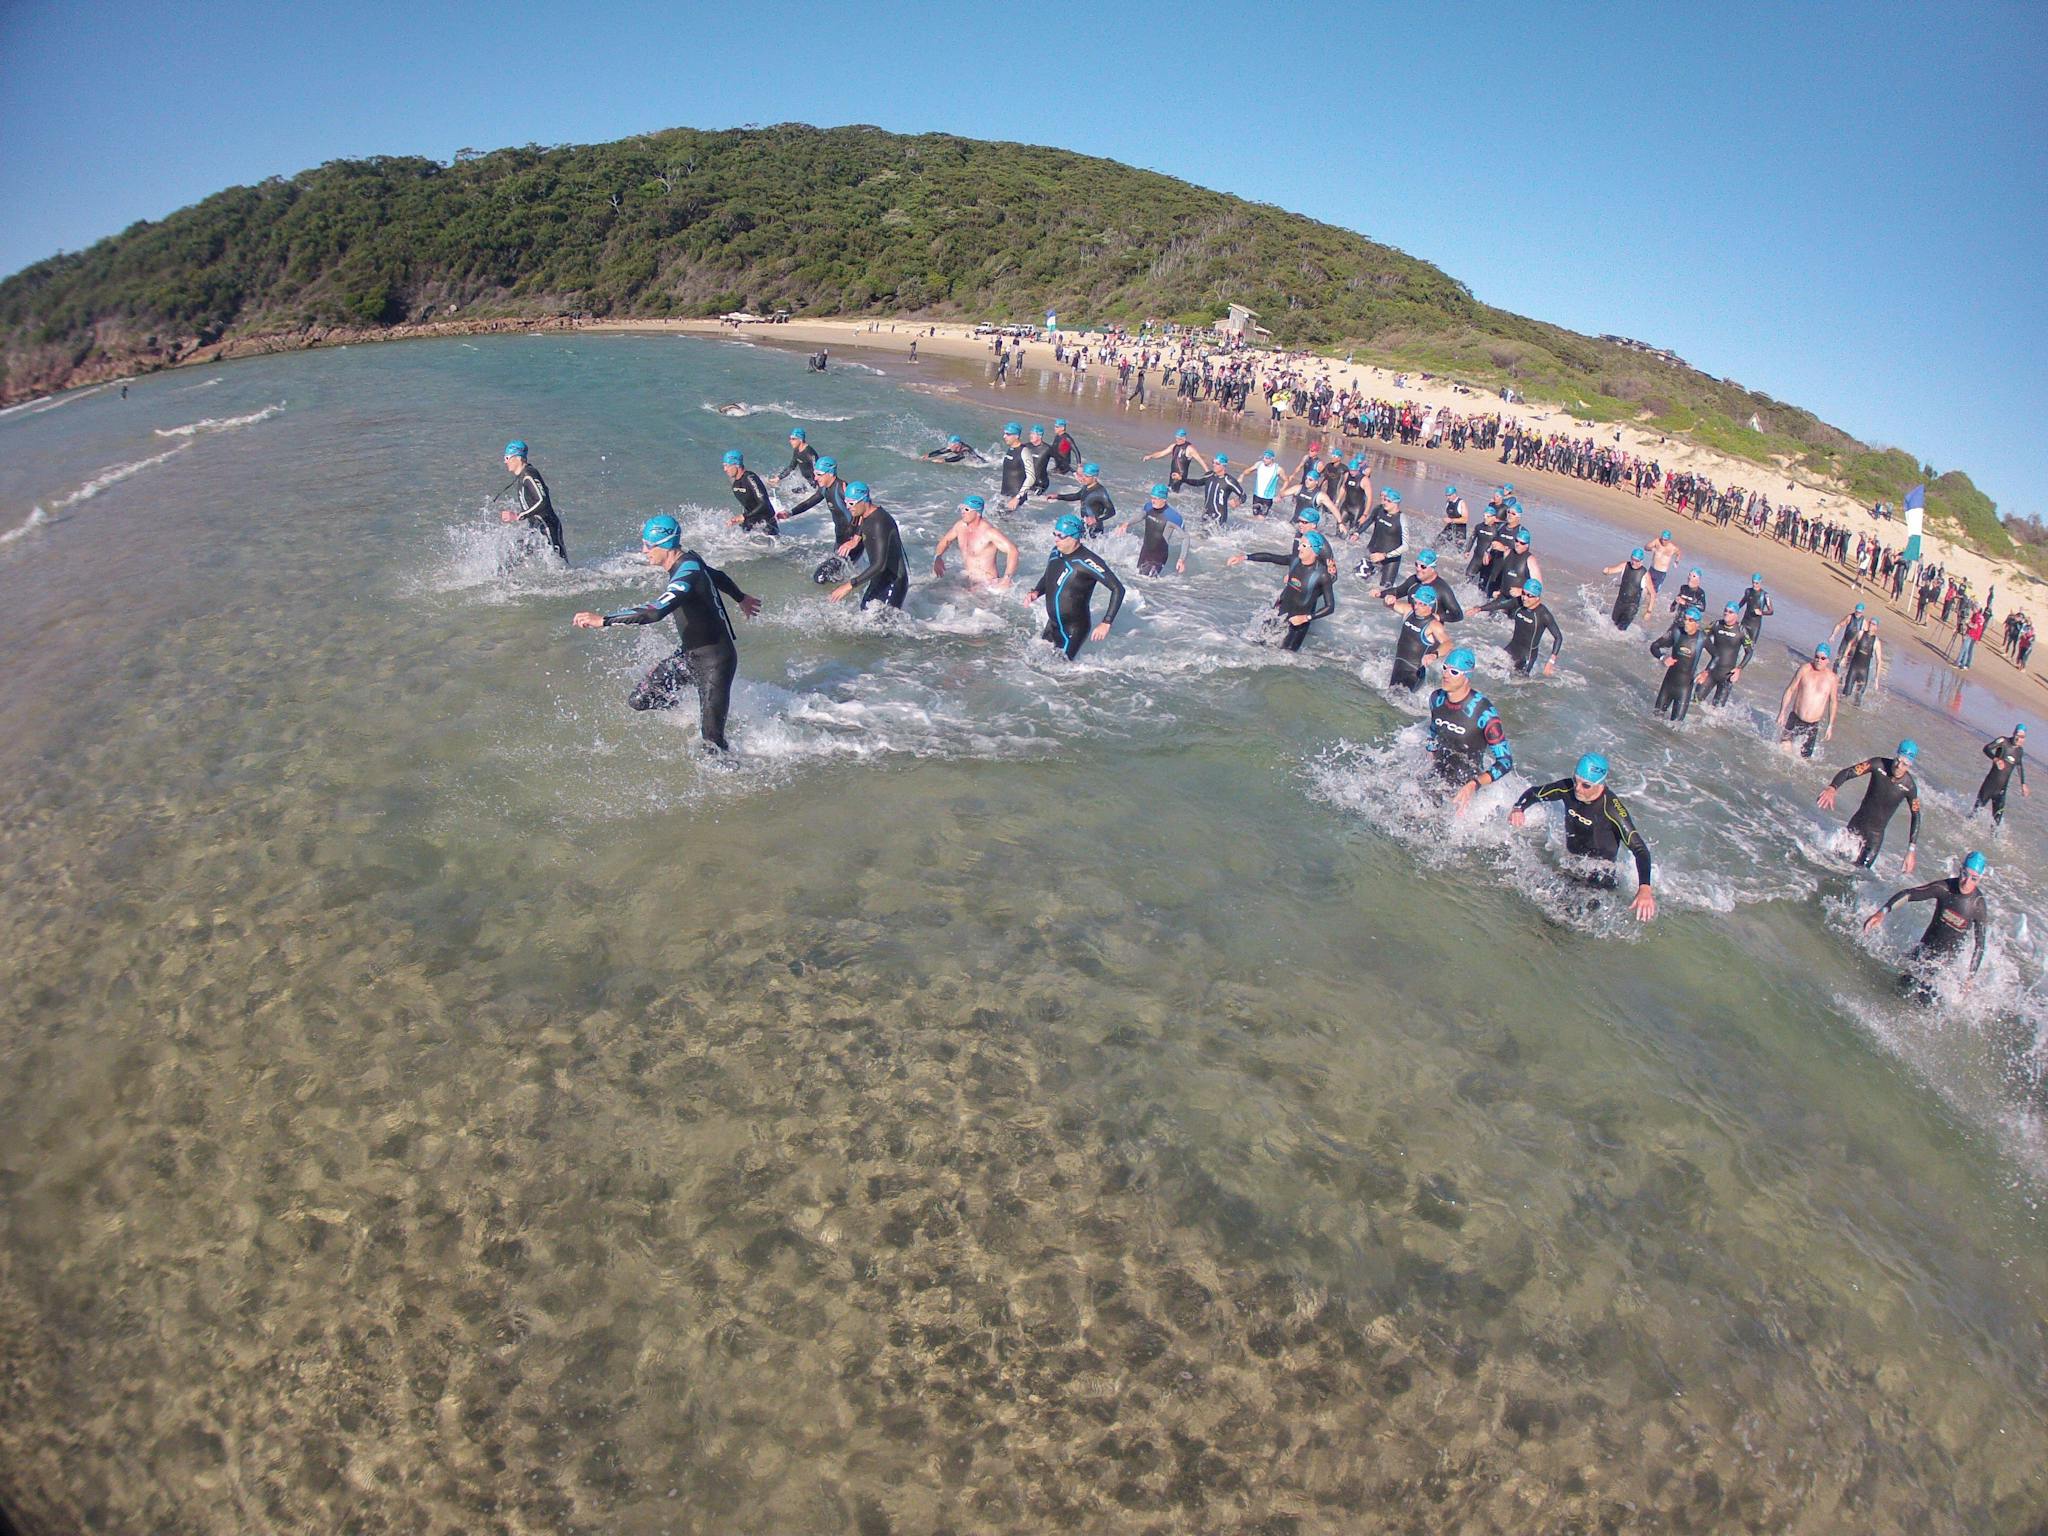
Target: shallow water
[[1009, 1096]]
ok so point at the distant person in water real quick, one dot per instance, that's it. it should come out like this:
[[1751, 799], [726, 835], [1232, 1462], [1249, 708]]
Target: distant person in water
[[709, 654], [981, 543], [2008, 756], [954, 451], [536, 508], [1596, 826], [1813, 693]]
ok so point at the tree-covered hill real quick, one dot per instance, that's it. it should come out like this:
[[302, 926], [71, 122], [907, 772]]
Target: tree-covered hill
[[846, 221]]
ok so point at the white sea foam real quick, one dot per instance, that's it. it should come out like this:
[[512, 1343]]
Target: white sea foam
[[35, 519], [743, 408], [114, 475], [212, 424]]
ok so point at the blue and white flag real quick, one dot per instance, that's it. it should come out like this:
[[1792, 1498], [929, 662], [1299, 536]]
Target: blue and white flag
[[1916, 514]]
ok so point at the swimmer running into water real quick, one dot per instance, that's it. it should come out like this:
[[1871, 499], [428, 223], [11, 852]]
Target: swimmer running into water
[[981, 543], [1072, 573], [1596, 826], [1891, 785], [1959, 908], [1813, 691], [1468, 743]]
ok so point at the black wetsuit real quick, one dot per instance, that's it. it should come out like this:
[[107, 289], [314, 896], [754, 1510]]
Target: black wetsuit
[[1096, 507], [1674, 694], [1155, 542], [2007, 758], [1881, 802], [1594, 829], [1412, 645], [756, 509], [1531, 625], [1726, 648], [1385, 536], [1308, 589], [1860, 658], [1064, 453], [708, 656], [833, 499], [1177, 463], [537, 508], [1219, 494], [1457, 526], [1756, 607], [1068, 587], [1038, 457], [1956, 912], [1689, 596], [1448, 608], [887, 578], [1467, 739], [1016, 473], [1305, 501], [954, 453], [1482, 543], [803, 458], [1628, 602]]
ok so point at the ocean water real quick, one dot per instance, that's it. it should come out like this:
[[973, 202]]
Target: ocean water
[[1007, 1096]]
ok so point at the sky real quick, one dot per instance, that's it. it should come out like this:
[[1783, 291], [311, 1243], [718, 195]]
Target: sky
[[1845, 206]]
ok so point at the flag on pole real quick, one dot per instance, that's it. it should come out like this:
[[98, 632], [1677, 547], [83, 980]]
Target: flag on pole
[[1916, 514]]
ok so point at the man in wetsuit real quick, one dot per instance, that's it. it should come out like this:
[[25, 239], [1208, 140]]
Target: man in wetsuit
[[1063, 450], [1725, 651], [1309, 591], [1309, 496], [981, 544], [1457, 526], [1846, 632], [1096, 506], [1038, 458], [1533, 620], [708, 655], [887, 578], [1862, 660], [1386, 536], [1428, 573], [2008, 756], [1814, 688], [1680, 648], [1756, 607], [954, 451], [1498, 548], [1072, 573], [1959, 908], [1510, 570], [757, 508], [1692, 595], [1016, 470], [1219, 491], [1468, 744], [1628, 599], [1482, 541], [1176, 453], [829, 491], [536, 508], [1420, 640], [1155, 543], [803, 458], [1891, 785], [1596, 826]]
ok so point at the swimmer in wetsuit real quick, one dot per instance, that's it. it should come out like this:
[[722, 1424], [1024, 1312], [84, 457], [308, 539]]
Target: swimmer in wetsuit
[[954, 451], [1072, 572], [1891, 785], [1063, 450], [1862, 660], [1468, 743], [1959, 908], [1386, 536], [1457, 528], [887, 578], [1725, 650], [1016, 470], [708, 655], [1308, 593], [1096, 506], [1428, 573], [1155, 545], [1219, 491], [1680, 648], [536, 508], [1421, 639], [829, 491], [1691, 595], [757, 507], [803, 458], [1756, 607], [1533, 620], [1628, 599], [1596, 826], [2008, 756], [1177, 454]]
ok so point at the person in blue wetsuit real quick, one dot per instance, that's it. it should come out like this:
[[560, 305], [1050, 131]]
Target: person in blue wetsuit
[[1468, 743], [1072, 573], [1891, 785], [1155, 547], [1959, 909], [709, 654], [1596, 826]]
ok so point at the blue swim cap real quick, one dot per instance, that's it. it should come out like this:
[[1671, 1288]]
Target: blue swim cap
[[1314, 474], [1038, 428], [1507, 490], [1535, 589], [1067, 527], [1427, 557], [516, 449], [1822, 651], [1694, 614], [1976, 864], [1357, 461], [1756, 578], [1637, 554], [1460, 660], [1161, 491], [798, 434], [1665, 534], [1733, 608], [1909, 748], [1316, 542], [2019, 730], [732, 456], [1060, 422], [1310, 516], [1267, 454], [1179, 433], [1426, 596], [1859, 607], [827, 465], [954, 441], [1450, 490], [1393, 496], [1222, 458], [1091, 470], [1592, 768], [1011, 429], [663, 532], [974, 503], [857, 491], [1521, 535]]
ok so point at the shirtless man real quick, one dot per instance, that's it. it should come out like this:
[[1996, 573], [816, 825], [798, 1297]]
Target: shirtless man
[[980, 542], [1813, 691], [1663, 551]]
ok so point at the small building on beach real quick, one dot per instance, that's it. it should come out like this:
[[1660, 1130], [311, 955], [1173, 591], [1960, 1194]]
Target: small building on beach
[[1242, 322]]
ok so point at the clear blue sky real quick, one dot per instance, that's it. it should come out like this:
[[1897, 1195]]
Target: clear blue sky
[[1844, 206]]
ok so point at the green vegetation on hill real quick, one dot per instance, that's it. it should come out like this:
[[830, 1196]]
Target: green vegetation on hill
[[847, 221]]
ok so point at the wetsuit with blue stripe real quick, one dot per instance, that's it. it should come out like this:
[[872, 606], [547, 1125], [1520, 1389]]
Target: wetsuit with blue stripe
[[1467, 739], [709, 654], [1068, 587], [1594, 829]]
